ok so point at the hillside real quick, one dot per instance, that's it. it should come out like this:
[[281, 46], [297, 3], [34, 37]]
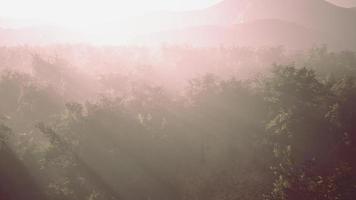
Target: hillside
[[240, 22], [295, 24], [254, 34]]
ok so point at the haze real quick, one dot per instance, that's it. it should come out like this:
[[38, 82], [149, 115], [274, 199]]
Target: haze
[[74, 13], [177, 100]]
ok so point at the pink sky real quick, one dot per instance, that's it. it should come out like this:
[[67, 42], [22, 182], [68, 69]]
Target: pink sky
[[68, 10]]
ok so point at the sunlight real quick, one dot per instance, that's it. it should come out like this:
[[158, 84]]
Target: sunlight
[[98, 21], [177, 100], [84, 13], [72, 13]]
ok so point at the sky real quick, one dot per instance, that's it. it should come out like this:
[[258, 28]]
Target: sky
[[90, 11], [344, 3], [84, 13]]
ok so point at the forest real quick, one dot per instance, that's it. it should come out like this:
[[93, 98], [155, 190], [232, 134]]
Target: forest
[[81, 122]]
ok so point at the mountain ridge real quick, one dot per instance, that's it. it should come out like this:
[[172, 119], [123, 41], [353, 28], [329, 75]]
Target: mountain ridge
[[335, 25]]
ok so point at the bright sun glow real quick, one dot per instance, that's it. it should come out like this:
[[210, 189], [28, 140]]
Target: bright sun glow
[[81, 13], [98, 21]]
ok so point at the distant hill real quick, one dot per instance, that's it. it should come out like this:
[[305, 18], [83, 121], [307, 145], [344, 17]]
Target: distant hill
[[255, 34], [344, 3], [293, 23], [224, 13], [316, 14]]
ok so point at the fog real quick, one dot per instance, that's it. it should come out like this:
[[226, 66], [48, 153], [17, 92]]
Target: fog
[[226, 100]]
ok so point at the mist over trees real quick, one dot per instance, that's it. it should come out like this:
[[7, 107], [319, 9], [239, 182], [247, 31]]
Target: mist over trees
[[177, 122]]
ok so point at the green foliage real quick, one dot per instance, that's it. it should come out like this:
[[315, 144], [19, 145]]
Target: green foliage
[[303, 139], [289, 135]]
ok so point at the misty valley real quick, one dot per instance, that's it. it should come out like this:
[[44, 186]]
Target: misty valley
[[240, 100]]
